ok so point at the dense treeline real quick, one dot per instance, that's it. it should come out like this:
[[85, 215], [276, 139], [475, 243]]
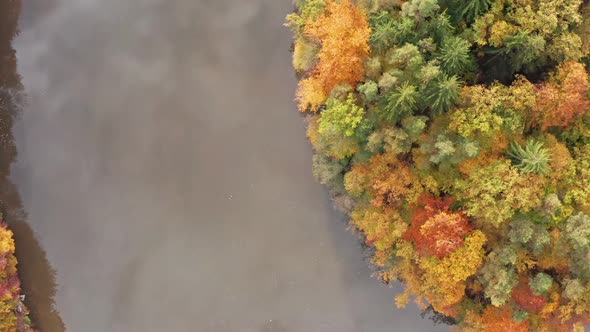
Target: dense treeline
[[13, 313], [456, 134]]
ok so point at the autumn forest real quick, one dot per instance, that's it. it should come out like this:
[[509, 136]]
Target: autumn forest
[[456, 135]]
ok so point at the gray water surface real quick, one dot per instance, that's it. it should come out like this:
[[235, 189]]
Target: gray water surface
[[166, 173]]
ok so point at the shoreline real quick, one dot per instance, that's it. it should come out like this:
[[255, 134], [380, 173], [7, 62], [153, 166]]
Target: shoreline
[[36, 278]]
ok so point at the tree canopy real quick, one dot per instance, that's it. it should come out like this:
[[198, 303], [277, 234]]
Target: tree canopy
[[456, 134], [12, 311]]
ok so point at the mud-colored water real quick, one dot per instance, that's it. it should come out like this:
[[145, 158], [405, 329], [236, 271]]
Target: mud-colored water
[[166, 173]]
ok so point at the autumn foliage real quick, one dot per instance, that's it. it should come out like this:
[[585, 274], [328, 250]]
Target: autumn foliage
[[523, 296], [436, 230], [456, 135], [343, 33], [564, 98], [12, 311], [374, 179], [501, 320]]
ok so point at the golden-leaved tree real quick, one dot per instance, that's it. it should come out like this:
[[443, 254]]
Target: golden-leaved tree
[[343, 33]]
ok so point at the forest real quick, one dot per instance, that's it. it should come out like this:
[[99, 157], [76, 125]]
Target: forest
[[456, 135], [13, 313]]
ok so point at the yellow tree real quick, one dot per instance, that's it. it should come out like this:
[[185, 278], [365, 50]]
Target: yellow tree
[[9, 287], [381, 227], [310, 94], [443, 282]]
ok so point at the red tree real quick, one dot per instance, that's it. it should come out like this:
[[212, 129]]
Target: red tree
[[496, 319], [523, 296], [436, 230], [563, 98]]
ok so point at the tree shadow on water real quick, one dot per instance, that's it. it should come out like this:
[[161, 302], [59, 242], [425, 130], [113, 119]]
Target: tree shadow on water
[[36, 275]]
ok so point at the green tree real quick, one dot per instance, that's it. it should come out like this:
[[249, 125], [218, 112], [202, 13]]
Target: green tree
[[402, 101], [498, 275], [331, 143], [428, 73], [414, 125], [373, 68], [405, 31], [387, 81], [393, 140], [468, 10], [383, 32], [309, 10], [441, 95], [532, 158], [455, 57], [445, 148], [525, 51], [577, 231], [439, 28], [340, 117], [420, 9], [369, 89], [529, 234], [406, 61], [541, 283]]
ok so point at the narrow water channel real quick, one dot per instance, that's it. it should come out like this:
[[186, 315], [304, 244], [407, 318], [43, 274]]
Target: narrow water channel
[[164, 169]]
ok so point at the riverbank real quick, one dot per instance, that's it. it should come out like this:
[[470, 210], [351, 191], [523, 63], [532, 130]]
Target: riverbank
[[13, 312], [34, 281]]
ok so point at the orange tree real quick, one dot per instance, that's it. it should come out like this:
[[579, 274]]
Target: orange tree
[[342, 31]]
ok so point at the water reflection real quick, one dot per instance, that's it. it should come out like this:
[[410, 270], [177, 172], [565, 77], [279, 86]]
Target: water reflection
[[37, 277]]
